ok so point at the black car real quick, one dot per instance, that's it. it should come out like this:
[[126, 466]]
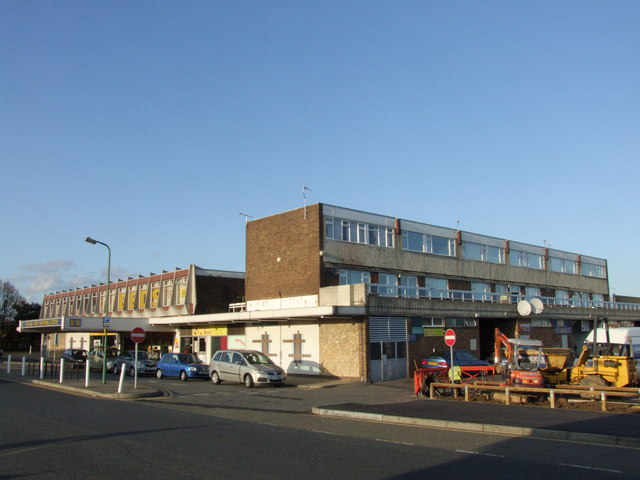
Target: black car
[[75, 356]]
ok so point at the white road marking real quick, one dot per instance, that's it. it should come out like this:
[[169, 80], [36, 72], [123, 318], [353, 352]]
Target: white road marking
[[590, 468], [479, 453]]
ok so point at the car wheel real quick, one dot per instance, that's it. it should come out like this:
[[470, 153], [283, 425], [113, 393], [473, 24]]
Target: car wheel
[[159, 374], [215, 378], [183, 375], [248, 381], [132, 372], [115, 369]]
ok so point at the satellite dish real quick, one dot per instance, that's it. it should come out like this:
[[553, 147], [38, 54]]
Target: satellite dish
[[536, 305], [524, 308]]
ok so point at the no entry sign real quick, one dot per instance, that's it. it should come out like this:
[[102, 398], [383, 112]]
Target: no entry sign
[[137, 335], [450, 338]]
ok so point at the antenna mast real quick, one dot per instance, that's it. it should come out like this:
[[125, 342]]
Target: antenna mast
[[304, 199]]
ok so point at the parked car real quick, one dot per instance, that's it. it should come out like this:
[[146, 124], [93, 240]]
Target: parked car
[[181, 365], [95, 358], [74, 356], [247, 366], [146, 364], [462, 358]]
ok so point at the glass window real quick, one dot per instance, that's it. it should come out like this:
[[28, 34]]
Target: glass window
[[436, 287], [387, 284], [389, 237], [442, 246], [328, 227], [483, 253], [433, 322], [412, 241], [362, 233], [374, 235], [410, 286], [526, 259], [591, 270], [352, 277], [481, 291], [562, 297], [472, 251], [531, 292], [562, 265]]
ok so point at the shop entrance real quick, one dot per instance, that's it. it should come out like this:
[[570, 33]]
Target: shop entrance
[[388, 348]]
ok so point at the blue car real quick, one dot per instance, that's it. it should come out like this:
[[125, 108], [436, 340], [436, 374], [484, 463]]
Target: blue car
[[182, 365]]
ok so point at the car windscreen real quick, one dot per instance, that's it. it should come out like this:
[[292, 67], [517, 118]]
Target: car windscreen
[[257, 358], [188, 358]]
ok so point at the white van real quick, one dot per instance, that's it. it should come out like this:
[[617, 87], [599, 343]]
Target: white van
[[625, 341]]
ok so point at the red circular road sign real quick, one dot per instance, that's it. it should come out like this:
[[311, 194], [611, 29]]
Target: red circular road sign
[[450, 338], [137, 335]]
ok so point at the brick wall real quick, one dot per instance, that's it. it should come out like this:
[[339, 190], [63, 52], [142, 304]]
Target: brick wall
[[425, 346], [343, 348], [214, 294], [283, 254]]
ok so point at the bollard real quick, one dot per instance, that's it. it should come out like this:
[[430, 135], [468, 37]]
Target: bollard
[[41, 368], [24, 365], [552, 398], [61, 370], [431, 390], [86, 373], [124, 367], [466, 393], [9, 363], [603, 399], [507, 399]]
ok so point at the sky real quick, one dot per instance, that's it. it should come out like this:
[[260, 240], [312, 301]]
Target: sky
[[152, 125]]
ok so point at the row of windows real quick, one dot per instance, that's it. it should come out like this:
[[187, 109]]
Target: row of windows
[[402, 285], [381, 236], [120, 299], [358, 232], [426, 243]]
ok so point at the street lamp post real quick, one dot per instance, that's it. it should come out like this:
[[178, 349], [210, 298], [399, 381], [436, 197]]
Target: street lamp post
[[105, 320]]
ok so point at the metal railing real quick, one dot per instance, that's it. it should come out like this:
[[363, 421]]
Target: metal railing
[[471, 296]]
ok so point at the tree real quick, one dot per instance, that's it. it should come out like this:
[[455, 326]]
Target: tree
[[9, 300], [13, 307]]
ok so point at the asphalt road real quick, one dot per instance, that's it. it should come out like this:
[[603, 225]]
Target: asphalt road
[[227, 431]]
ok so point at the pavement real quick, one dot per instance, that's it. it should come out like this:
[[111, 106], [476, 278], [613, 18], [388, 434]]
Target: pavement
[[394, 402]]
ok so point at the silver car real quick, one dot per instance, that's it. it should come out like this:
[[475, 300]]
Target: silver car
[[146, 365], [247, 366]]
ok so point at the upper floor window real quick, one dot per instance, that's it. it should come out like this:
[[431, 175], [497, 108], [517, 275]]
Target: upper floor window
[[426, 243], [518, 258], [436, 287], [352, 277], [483, 253], [358, 232], [409, 285], [591, 270], [481, 291], [387, 284], [563, 265]]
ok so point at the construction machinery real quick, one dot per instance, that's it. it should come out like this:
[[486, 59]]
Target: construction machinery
[[606, 359], [523, 360], [603, 362]]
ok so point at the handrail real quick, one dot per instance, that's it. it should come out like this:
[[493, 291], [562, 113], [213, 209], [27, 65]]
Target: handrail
[[402, 291]]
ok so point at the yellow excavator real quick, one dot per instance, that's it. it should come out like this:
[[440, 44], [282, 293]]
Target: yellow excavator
[[601, 363]]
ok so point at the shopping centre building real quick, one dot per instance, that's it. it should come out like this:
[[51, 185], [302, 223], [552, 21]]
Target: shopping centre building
[[334, 291]]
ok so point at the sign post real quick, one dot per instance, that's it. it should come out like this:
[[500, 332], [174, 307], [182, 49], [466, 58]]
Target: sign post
[[137, 335], [450, 340]]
